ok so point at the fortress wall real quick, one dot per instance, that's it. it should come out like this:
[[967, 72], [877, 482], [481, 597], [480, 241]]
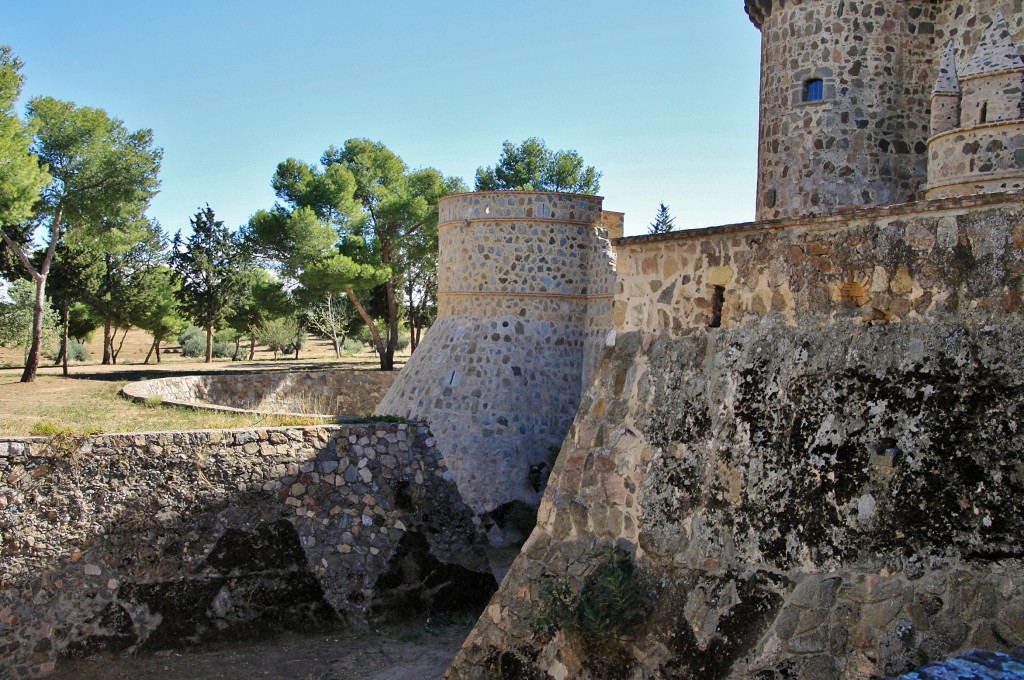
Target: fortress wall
[[524, 303], [142, 542], [810, 490], [956, 258]]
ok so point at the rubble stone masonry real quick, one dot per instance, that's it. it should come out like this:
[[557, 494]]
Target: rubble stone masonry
[[144, 542]]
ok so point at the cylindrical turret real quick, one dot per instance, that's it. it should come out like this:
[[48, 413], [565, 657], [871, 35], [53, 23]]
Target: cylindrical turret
[[845, 101], [525, 287]]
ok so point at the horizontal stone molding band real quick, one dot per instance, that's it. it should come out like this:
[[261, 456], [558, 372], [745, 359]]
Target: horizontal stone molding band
[[545, 296], [513, 220]]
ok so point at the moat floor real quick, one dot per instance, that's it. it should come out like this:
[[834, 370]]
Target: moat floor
[[393, 654]]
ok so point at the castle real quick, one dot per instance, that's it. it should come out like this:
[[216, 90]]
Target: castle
[[804, 430]]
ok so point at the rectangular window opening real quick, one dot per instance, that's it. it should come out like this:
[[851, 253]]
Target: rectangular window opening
[[814, 90], [717, 302]]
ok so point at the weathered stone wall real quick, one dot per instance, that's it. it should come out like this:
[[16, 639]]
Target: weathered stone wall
[[814, 489], [334, 392], [983, 159], [152, 541], [524, 302], [903, 262], [864, 143]]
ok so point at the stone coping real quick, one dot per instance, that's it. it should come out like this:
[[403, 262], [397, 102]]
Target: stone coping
[[826, 221], [347, 395]]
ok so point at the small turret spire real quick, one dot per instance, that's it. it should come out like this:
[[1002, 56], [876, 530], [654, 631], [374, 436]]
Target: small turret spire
[[996, 51], [947, 82]]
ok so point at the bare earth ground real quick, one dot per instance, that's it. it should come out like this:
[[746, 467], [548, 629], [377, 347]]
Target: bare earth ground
[[411, 652]]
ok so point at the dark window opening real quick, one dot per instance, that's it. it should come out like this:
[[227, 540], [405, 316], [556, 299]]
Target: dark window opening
[[814, 90], [717, 302], [983, 117]]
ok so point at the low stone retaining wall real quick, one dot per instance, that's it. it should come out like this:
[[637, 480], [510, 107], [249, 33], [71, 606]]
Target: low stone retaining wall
[[353, 393], [141, 542]]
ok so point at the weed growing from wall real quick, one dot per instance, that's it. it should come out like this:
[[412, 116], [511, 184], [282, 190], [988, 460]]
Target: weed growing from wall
[[601, 616]]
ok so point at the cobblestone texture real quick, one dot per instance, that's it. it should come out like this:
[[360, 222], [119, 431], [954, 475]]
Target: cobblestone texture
[[525, 283]]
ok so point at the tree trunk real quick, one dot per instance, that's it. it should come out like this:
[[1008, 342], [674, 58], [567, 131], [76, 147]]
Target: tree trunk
[[337, 346], [252, 345], [32, 360], [209, 344], [106, 342], [150, 352], [378, 344], [64, 337], [158, 350], [387, 360]]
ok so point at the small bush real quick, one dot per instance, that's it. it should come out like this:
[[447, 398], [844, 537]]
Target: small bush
[[193, 342], [153, 401], [77, 351], [352, 346]]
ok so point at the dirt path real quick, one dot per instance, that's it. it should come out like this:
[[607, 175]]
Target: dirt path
[[406, 653]]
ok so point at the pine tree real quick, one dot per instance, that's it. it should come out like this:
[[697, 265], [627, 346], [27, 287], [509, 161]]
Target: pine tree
[[663, 222]]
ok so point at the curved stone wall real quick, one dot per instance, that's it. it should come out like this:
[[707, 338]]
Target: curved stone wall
[[864, 142], [332, 393], [525, 281], [984, 159]]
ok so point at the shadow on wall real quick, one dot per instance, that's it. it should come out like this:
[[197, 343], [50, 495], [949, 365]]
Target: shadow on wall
[[153, 541]]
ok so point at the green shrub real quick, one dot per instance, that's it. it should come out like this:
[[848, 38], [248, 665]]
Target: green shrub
[[352, 346], [77, 351], [601, 616], [193, 342]]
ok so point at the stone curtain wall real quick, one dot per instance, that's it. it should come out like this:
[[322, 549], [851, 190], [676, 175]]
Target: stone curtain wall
[[152, 541], [955, 257], [524, 297], [311, 392], [811, 490]]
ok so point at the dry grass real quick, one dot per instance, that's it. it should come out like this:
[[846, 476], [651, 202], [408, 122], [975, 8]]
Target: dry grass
[[88, 401]]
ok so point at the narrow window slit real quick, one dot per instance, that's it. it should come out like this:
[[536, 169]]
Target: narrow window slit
[[717, 302]]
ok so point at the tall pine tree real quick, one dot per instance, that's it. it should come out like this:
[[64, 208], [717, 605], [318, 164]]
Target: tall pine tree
[[211, 268]]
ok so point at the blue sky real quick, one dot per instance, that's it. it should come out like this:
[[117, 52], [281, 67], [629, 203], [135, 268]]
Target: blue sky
[[661, 96]]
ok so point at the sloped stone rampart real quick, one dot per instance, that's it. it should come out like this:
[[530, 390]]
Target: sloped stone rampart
[[815, 490], [143, 542], [349, 393]]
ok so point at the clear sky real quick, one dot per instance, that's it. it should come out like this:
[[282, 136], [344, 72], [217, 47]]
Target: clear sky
[[660, 95]]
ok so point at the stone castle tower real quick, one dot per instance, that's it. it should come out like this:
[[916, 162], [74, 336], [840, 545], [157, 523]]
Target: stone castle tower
[[851, 92], [525, 286]]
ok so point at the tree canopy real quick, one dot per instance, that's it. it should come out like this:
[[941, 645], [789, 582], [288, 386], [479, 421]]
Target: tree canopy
[[21, 177], [102, 174], [210, 268], [531, 166], [358, 221]]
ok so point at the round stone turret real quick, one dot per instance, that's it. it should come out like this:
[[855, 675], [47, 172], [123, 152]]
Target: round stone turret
[[845, 100], [525, 287]]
